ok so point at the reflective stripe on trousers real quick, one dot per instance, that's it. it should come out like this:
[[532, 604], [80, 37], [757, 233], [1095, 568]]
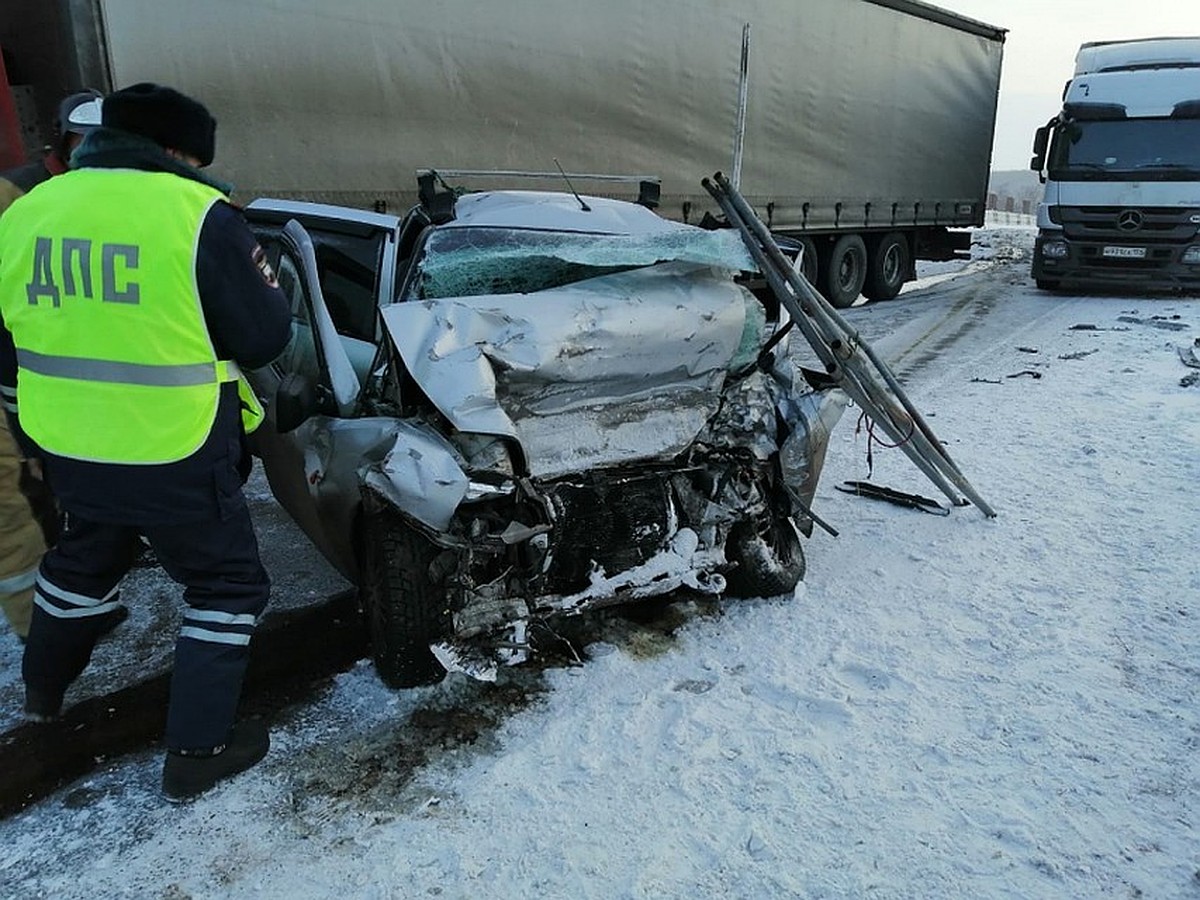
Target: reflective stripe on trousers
[[218, 627], [22, 581], [226, 589], [64, 604]]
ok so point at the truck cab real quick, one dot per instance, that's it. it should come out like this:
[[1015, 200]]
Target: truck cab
[[1121, 165]]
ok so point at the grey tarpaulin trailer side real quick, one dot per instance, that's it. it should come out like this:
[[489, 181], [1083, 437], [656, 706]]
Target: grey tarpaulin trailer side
[[864, 117]]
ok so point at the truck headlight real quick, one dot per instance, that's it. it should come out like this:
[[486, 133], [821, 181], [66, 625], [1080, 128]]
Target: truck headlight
[[1055, 250], [1191, 256]]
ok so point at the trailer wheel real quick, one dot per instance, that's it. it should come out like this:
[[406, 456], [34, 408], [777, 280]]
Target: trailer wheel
[[843, 276], [404, 605], [769, 561], [887, 267]]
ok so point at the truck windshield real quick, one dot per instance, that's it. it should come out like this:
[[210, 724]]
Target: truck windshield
[[1127, 150]]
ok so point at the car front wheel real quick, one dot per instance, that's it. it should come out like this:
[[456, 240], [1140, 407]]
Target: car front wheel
[[768, 561], [404, 603]]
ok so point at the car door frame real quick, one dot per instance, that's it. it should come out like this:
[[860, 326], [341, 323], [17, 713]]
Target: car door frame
[[289, 459]]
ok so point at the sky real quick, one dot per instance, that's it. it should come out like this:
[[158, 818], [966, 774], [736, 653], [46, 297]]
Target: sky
[[1039, 53]]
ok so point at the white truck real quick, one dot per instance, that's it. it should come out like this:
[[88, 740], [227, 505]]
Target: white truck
[[868, 123], [1121, 164]]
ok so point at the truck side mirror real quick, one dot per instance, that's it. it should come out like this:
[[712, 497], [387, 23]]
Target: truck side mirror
[[1040, 141], [295, 401]]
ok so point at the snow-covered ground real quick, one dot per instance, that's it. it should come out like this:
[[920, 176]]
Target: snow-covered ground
[[950, 706]]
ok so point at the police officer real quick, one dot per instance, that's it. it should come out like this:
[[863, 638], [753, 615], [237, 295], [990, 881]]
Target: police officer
[[130, 294], [22, 541]]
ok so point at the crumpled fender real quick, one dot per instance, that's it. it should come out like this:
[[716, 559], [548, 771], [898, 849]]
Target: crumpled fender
[[811, 417], [418, 471]]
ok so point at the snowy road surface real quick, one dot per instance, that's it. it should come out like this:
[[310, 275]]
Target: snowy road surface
[[949, 707]]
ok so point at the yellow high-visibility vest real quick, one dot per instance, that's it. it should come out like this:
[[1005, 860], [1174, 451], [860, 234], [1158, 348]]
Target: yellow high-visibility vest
[[98, 287]]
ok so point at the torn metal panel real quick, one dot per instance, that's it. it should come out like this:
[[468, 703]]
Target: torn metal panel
[[811, 416], [420, 473], [621, 367], [747, 417], [683, 562], [406, 461]]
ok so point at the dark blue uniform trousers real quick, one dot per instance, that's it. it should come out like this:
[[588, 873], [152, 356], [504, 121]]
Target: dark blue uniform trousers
[[225, 588]]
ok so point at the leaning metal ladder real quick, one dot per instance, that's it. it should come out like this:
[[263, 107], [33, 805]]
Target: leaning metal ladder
[[849, 360]]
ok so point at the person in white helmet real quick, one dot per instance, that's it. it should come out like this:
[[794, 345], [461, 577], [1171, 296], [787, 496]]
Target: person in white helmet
[[77, 115]]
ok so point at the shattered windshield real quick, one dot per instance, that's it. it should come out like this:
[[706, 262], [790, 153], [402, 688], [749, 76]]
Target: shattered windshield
[[1129, 149], [468, 262]]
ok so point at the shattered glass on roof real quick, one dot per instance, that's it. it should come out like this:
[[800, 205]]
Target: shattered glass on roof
[[469, 262]]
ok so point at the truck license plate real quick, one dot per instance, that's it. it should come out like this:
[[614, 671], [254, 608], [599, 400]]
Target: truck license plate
[[1125, 252]]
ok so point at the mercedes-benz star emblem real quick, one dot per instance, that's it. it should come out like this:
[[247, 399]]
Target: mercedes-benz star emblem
[[1129, 220]]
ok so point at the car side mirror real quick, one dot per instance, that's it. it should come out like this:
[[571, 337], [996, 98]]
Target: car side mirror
[[295, 402]]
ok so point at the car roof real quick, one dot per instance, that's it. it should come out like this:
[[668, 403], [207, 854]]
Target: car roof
[[533, 210], [556, 211], [307, 213]]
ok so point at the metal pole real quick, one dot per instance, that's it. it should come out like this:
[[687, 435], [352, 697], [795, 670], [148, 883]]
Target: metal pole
[[849, 381], [739, 131], [822, 309]]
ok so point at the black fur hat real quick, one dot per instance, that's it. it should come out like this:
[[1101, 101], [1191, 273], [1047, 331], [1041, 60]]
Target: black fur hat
[[170, 119]]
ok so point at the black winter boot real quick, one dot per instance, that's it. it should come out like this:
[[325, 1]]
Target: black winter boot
[[43, 705], [188, 775]]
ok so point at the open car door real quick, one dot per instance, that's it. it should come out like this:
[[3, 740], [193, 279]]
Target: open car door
[[310, 383]]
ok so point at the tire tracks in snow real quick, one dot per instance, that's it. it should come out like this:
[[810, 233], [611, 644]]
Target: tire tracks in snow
[[957, 324]]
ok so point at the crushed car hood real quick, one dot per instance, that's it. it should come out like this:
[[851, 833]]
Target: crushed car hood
[[609, 370]]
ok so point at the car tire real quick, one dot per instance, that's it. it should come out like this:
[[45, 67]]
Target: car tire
[[767, 561], [887, 267], [405, 606], [1048, 284], [844, 271]]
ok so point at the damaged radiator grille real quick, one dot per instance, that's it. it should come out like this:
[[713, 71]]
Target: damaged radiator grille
[[615, 524]]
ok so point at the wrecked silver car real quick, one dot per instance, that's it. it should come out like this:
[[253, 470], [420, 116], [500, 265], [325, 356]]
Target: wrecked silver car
[[512, 406]]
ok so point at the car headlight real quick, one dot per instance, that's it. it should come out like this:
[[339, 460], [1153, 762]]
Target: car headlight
[[1191, 256], [1055, 250]]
